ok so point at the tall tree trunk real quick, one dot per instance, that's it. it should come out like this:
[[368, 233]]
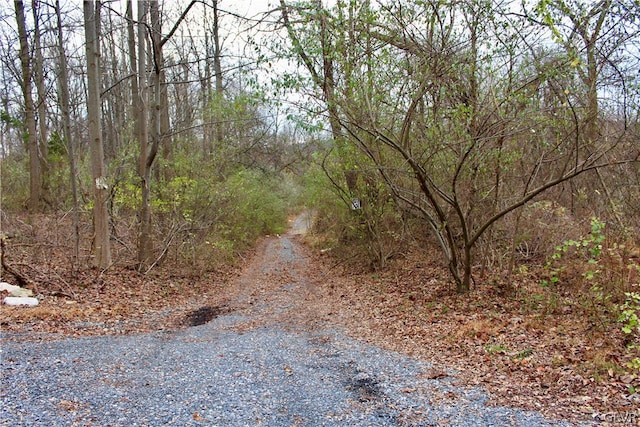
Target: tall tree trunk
[[591, 80], [217, 54], [63, 87], [42, 101], [144, 235], [35, 173], [133, 63], [149, 152], [205, 82], [217, 70], [102, 246], [600, 11], [328, 78], [165, 126], [145, 247], [113, 102], [166, 140], [141, 96]]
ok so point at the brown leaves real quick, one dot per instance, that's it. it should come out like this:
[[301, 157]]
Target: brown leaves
[[552, 362], [87, 301], [522, 356], [71, 406]]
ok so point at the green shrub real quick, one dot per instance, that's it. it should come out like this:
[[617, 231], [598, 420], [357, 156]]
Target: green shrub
[[14, 179], [258, 205], [219, 219], [630, 320], [587, 249], [371, 232]]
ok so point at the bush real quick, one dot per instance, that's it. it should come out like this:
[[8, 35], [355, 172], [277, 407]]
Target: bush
[[630, 320], [371, 232], [15, 182], [598, 274], [217, 220], [259, 205]]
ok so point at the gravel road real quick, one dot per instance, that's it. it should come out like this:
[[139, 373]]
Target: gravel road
[[248, 367]]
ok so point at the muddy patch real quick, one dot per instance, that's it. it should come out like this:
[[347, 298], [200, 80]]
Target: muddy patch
[[364, 386], [204, 315]]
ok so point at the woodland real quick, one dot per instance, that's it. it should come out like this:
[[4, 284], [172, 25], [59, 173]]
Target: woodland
[[470, 161]]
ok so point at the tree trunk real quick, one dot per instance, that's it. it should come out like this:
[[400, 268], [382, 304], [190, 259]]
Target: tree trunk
[[144, 236], [42, 102], [591, 78], [133, 63], [205, 82], [141, 102], [165, 126], [102, 247], [590, 81], [114, 101], [148, 156], [63, 87], [148, 152], [217, 70], [35, 173]]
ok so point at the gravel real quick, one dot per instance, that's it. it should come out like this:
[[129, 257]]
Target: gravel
[[213, 375], [221, 374]]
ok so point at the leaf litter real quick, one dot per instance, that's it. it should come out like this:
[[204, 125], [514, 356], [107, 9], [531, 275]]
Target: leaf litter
[[557, 365]]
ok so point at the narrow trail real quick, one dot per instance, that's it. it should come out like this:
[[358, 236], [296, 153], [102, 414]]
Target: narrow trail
[[279, 286], [271, 357]]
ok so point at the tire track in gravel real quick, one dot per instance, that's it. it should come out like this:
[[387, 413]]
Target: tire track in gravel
[[271, 358]]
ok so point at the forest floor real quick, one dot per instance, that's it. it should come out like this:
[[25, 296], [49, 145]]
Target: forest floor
[[558, 364]]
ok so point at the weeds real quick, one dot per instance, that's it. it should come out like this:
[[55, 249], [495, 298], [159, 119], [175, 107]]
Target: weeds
[[603, 275], [496, 349], [630, 320]]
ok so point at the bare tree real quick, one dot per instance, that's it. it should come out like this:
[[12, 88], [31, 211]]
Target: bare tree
[[459, 144], [101, 241], [35, 172], [63, 89], [149, 146]]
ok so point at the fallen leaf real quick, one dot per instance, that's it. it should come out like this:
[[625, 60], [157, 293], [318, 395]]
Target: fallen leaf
[[434, 374]]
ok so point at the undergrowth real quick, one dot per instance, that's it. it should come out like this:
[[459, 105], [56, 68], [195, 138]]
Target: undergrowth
[[598, 275]]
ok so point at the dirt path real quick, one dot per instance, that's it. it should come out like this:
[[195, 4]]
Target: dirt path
[[271, 354], [280, 286]]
